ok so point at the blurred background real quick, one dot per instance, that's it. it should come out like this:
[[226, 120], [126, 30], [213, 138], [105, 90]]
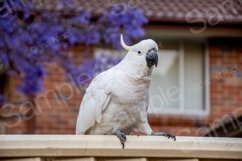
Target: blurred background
[[50, 50]]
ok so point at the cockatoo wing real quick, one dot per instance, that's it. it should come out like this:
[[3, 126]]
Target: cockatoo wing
[[95, 100]]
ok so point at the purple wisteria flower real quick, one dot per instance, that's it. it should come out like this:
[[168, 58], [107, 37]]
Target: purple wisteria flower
[[29, 38]]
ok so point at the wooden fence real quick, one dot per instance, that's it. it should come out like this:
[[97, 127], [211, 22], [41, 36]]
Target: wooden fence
[[108, 148]]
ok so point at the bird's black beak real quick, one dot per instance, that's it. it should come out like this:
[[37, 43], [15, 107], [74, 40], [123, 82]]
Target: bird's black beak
[[152, 58]]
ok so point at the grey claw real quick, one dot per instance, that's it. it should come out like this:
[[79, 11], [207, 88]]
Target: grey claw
[[171, 136], [124, 136], [165, 134], [121, 136]]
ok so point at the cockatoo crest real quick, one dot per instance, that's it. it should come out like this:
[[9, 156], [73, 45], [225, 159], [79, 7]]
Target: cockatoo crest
[[143, 54]]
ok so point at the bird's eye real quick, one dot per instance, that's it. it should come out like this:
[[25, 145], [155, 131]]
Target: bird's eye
[[139, 52]]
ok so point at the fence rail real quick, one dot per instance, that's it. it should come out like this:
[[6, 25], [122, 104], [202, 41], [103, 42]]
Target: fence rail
[[102, 148]]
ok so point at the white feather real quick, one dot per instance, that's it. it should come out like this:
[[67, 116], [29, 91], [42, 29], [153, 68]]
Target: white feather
[[93, 103]]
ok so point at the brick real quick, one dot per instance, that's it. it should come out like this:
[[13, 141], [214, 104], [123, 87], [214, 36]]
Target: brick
[[213, 51]]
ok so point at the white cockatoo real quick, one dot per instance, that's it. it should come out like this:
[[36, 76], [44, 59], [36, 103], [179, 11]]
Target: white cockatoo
[[116, 101]]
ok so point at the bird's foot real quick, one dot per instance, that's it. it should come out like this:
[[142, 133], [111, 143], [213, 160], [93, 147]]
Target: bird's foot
[[121, 136], [164, 134]]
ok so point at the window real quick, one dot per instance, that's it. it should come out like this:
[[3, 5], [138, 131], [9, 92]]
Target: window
[[178, 83]]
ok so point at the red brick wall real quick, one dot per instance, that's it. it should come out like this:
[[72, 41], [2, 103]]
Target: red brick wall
[[54, 114], [226, 80], [59, 116]]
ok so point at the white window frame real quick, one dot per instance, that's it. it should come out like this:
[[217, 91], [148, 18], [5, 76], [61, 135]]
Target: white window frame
[[181, 82]]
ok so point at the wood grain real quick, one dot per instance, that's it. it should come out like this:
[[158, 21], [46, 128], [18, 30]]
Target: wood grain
[[109, 146]]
